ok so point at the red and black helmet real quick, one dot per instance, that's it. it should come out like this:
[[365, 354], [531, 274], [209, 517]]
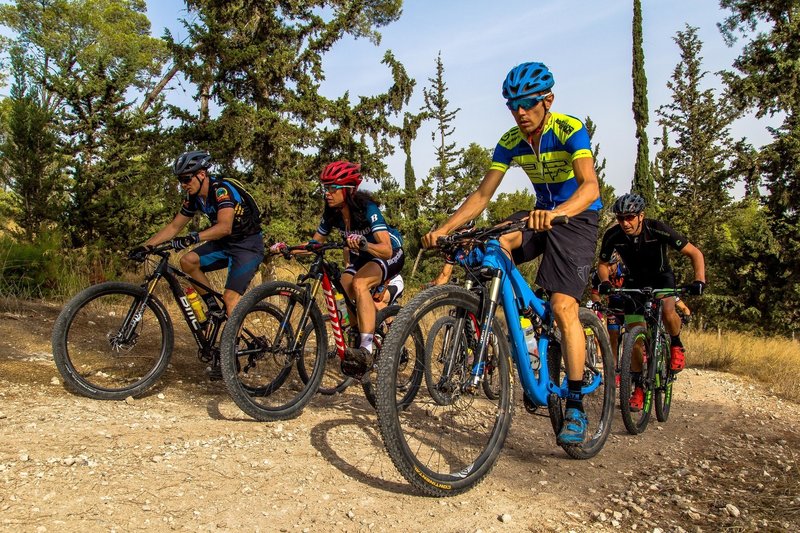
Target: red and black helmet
[[342, 173]]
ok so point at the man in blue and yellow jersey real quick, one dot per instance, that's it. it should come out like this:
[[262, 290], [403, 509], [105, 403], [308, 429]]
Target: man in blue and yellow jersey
[[554, 151]]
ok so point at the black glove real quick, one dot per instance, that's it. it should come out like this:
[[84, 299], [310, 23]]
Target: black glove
[[362, 243], [605, 287], [139, 253], [686, 319], [696, 287], [179, 243]]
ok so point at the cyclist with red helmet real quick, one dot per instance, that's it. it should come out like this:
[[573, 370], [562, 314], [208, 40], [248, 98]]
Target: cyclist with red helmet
[[554, 150], [374, 254]]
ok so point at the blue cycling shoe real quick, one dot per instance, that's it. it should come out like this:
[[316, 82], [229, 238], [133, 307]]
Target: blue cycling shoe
[[573, 431]]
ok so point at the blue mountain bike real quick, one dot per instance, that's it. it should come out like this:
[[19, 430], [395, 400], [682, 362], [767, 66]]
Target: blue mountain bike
[[449, 438]]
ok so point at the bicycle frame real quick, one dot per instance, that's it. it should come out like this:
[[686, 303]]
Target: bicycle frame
[[204, 336], [509, 287], [326, 276]]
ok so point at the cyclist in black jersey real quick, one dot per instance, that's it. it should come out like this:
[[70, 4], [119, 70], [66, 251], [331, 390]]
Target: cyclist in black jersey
[[234, 239], [642, 244], [374, 254]]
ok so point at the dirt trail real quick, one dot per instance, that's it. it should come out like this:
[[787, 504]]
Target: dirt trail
[[186, 458]]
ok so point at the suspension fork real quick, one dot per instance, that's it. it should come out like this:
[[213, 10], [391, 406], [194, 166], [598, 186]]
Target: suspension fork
[[135, 313], [311, 295], [493, 297]]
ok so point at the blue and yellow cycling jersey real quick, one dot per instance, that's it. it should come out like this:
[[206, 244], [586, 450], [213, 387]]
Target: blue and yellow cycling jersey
[[564, 139]]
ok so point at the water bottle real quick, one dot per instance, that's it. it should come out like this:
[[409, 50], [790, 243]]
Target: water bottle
[[196, 302], [531, 341], [344, 315]]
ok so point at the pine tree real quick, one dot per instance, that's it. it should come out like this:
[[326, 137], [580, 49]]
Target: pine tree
[[642, 181], [767, 79], [29, 155], [444, 175], [274, 128], [694, 191]]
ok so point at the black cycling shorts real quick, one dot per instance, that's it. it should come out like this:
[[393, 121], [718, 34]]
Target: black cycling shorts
[[567, 253], [241, 258], [390, 267]]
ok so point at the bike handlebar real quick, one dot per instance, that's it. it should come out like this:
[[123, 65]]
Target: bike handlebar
[[482, 234]]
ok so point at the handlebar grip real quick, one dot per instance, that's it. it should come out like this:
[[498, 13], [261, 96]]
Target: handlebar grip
[[559, 220]]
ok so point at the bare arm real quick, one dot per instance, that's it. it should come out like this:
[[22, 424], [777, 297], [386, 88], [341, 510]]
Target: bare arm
[[222, 228], [603, 271], [697, 259], [382, 249], [168, 231]]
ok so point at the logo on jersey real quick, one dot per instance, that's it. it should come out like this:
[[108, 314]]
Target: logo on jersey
[[373, 218], [566, 128], [223, 194]]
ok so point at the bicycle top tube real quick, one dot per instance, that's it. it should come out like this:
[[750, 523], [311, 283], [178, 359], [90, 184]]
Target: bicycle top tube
[[487, 256]]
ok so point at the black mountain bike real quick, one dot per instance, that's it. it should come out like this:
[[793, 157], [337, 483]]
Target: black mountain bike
[[115, 339], [656, 379], [275, 375]]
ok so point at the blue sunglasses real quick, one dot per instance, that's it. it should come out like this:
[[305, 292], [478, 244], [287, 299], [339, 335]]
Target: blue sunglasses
[[330, 188], [525, 103]]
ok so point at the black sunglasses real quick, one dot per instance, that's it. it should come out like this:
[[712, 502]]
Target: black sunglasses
[[186, 179], [627, 218]]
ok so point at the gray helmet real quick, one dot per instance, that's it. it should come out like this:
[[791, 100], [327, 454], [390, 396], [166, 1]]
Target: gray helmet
[[628, 203], [191, 162]]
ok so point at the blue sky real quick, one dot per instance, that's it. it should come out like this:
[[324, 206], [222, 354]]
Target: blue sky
[[587, 45]]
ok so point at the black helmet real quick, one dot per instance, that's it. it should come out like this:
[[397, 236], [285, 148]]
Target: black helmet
[[191, 162], [628, 203]]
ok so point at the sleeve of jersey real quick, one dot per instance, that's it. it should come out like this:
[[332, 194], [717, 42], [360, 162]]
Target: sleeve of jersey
[[376, 220], [324, 228], [578, 143], [674, 239], [607, 246], [501, 159], [224, 198]]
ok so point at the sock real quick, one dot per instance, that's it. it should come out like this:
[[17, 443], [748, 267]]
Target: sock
[[211, 302], [675, 341], [574, 396], [366, 341]]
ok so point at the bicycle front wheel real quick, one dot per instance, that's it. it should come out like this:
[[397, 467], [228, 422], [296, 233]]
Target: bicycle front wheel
[[635, 417], [443, 443], [260, 347], [599, 404], [664, 379], [112, 341]]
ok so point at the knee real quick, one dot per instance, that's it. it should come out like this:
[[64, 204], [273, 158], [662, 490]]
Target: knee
[[190, 261], [360, 285]]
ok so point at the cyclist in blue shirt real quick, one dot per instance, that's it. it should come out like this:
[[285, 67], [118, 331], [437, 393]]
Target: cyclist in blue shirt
[[374, 254], [234, 239], [555, 152]]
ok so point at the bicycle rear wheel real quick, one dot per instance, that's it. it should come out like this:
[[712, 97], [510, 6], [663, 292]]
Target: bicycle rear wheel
[[259, 351], [409, 368], [447, 444], [636, 421], [109, 344], [599, 404], [664, 380]]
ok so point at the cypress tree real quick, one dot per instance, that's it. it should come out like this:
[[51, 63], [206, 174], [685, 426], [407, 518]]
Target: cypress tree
[[642, 180]]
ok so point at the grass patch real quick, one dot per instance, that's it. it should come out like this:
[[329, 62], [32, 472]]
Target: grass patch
[[774, 361]]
